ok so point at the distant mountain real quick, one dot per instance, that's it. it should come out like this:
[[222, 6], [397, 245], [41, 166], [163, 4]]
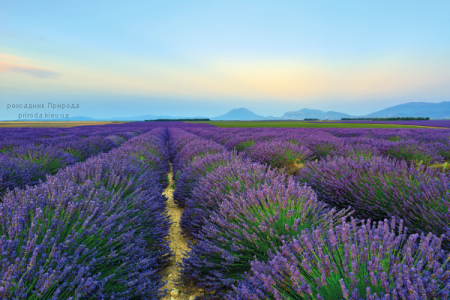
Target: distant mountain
[[415, 109], [411, 109], [242, 114], [306, 113]]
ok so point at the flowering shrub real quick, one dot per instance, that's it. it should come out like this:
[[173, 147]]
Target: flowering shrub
[[178, 139], [365, 151], [90, 146], [248, 225], [36, 152], [16, 172], [95, 230], [240, 143], [322, 146], [280, 154], [372, 261], [443, 149], [194, 150], [237, 176], [190, 176], [49, 159], [380, 187], [414, 152], [116, 139]]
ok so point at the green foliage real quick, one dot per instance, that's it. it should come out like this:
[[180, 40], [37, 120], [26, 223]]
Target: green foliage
[[287, 159], [394, 138], [445, 167], [48, 165], [297, 124], [169, 120], [74, 152], [244, 145], [387, 119]]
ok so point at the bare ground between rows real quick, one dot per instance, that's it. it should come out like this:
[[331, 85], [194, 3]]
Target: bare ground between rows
[[179, 246]]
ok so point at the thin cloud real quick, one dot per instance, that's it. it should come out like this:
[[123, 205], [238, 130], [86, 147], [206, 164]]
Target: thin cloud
[[28, 70]]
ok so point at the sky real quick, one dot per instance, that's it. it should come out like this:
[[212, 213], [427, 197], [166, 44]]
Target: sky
[[204, 58]]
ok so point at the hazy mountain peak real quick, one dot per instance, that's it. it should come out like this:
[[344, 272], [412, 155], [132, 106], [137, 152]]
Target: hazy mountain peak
[[239, 114], [314, 111], [412, 109], [307, 113], [415, 109]]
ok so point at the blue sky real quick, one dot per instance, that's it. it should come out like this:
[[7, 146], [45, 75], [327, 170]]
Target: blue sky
[[203, 58]]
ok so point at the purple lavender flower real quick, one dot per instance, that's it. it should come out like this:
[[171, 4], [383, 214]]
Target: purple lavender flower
[[18, 173], [280, 154], [248, 225], [198, 169], [369, 261], [413, 151], [96, 229], [49, 159], [194, 150], [380, 187], [237, 176]]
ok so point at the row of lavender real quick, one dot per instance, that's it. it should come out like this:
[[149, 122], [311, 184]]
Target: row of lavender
[[424, 146], [29, 154], [13, 137], [259, 234], [95, 230], [364, 169]]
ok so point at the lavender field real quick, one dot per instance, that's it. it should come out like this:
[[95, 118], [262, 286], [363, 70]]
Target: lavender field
[[268, 213]]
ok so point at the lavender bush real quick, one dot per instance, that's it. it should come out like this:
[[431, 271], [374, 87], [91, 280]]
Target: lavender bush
[[372, 261], [178, 138], [443, 149], [194, 150], [240, 143], [198, 169], [322, 146], [49, 159], [85, 148], [280, 154], [380, 187], [95, 230], [47, 150], [414, 152], [356, 150], [237, 176], [16, 172], [248, 226]]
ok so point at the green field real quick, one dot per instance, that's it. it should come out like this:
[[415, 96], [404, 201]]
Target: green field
[[299, 124]]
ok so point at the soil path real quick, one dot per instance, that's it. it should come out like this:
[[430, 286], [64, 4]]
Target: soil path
[[179, 246]]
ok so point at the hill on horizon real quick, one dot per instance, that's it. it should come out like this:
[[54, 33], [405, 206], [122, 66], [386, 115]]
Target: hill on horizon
[[306, 113], [415, 109], [242, 114], [411, 109]]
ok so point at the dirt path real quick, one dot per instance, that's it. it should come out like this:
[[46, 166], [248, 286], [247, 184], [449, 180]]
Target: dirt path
[[179, 245]]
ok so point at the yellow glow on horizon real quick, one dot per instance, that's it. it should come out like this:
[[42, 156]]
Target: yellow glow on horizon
[[287, 79]]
